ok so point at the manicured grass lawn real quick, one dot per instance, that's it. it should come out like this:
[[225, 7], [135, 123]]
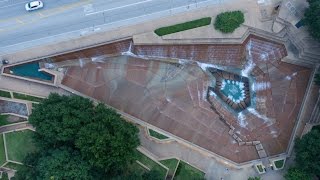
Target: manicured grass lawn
[[2, 152], [171, 164], [151, 164], [13, 165], [279, 163], [3, 120], [19, 144], [26, 97], [183, 26], [186, 171], [157, 135], [5, 94]]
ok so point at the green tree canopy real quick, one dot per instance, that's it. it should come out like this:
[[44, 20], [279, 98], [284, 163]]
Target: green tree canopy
[[78, 140], [63, 163], [308, 152], [59, 118], [312, 18], [227, 22], [294, 173], [108, 141]]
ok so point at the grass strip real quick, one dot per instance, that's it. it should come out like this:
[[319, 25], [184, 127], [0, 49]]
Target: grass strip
[[157, 135], [27, 97], [5, 94], [12, 165], [3, 120], [136, 168], [152, 165], [171, 164], [185, 171], [2, 152], [183, 26]]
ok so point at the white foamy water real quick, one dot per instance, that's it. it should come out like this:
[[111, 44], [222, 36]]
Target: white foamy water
[[289, 77], [81, 62], [264, 56], [211, 93], [250, 64], [242, 120], [256, 113], [260, 86], [204, 66], [98, 58]]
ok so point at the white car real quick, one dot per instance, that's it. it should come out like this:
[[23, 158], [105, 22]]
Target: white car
[[34, 5]]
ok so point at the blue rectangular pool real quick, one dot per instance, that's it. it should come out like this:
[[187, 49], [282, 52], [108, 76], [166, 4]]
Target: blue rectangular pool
[[30, 70]]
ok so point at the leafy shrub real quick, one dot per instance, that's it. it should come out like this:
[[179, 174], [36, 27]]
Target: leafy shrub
[[227, 22]]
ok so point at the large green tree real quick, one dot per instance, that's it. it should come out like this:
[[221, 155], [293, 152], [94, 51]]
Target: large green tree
[[108, 141], [78, 140], [294, 173], [308, 152], [312, 18], [59, 118], [307, 161]]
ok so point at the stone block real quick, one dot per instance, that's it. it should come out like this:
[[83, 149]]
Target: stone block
[[249, 143]]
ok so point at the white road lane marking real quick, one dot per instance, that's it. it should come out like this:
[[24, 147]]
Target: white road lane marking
[[106, 10]]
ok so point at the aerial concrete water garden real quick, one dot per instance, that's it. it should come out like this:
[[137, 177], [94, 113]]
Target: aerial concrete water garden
[[168, 86]]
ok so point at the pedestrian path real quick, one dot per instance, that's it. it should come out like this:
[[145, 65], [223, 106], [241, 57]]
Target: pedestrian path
[[16, 126]]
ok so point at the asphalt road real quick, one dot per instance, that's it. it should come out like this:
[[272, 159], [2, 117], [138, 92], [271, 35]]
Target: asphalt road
[[62, 16]]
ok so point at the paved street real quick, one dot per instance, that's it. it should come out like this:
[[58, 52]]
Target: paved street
[[79, 17]]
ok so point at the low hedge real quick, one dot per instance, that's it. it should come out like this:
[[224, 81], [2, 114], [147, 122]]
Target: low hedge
[[183, 26], [27, 97], [227, 22], [5, 94]]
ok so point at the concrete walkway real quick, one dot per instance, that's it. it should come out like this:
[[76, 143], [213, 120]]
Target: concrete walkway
[[17, 126], [28, 87], [214, 169]]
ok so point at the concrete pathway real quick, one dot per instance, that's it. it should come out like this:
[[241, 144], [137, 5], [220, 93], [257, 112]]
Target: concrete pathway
[[28, 87], [17, 126], [214, 169]]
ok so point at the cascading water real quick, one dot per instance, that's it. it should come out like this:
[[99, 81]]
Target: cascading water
[[98, 58], [257, 114], [260, 86], [242, 120], [291, 76], [250, 64], [81, 62]]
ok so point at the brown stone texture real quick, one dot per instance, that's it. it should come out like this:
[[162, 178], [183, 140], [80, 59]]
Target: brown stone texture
[[173, 96]]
